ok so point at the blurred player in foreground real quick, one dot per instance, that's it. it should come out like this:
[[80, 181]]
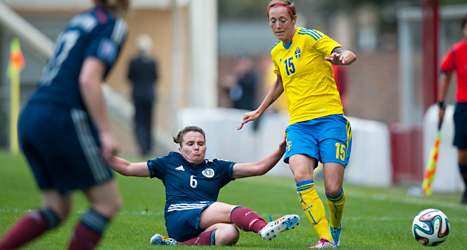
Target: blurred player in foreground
[[64, 129], [456, 60], [317, 129], [193, 216]]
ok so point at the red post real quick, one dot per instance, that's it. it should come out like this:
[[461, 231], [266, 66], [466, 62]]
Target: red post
[[430, 51]]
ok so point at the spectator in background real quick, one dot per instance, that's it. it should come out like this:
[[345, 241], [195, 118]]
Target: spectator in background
[[242, 88], [65, 133], [241, 85], [456, 60], [143, 74]]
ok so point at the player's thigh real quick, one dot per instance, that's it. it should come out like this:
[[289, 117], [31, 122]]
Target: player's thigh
[[301, 141], [335, 136], [333, 174], [32, 135], [302, 167], [183, 220], [462, 156], [104, 198], [460, 128], [217, 212]]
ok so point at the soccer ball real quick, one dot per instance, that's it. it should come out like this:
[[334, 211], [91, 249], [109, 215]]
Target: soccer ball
[[430, 227]]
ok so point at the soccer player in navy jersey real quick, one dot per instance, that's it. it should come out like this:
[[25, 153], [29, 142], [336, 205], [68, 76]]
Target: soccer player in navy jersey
[[64, 129], [318, 129], [192, 214]]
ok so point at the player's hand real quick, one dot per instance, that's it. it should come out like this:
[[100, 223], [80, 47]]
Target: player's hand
[[109, 145], [283, 144], [343, 58], [441, 116], [250, 116], [335, 58]]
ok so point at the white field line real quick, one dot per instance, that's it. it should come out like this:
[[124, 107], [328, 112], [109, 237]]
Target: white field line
[[265, 216], [413, 201]]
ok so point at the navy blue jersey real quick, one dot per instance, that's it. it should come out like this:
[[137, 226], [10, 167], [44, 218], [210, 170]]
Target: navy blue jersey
[[94, 33], [186, 183]]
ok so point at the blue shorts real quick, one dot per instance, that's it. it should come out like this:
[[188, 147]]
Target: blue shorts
[[327, 139], [182, 220], [460, 125], [62, 147]]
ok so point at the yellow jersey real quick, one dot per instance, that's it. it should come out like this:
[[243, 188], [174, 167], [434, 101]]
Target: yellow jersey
[[308, 79]]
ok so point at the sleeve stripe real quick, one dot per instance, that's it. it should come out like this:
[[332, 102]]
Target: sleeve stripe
[[312, 33], [316, 33], [119, 31]]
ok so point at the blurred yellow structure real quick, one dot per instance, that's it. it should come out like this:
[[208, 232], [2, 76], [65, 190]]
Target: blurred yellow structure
[[15, 66]]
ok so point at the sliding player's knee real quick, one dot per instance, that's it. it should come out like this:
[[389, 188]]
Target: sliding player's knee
[[227, 235]]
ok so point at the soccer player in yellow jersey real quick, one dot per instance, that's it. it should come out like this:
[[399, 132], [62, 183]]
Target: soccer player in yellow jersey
[[317, 130]]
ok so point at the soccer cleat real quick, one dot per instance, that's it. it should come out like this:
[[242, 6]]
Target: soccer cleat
[[336, 235], [323, 243], [273, 228], [158, 239]]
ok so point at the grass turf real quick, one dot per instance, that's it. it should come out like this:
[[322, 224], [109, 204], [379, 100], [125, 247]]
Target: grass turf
[[374, 218]]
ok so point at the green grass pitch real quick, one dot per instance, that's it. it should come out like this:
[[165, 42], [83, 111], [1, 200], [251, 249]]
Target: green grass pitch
[[374, 218]]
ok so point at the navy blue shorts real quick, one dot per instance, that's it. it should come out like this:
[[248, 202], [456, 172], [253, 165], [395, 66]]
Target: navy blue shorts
[[460, 125], [62, 147], [182, 220], [327, 139]]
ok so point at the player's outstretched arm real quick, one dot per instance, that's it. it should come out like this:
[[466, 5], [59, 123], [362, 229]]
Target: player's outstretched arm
[[127, 168], [242, 170], [276, 90]]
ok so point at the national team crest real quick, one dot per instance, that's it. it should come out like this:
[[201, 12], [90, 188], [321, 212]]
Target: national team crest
[[297, 53], [208, 172]]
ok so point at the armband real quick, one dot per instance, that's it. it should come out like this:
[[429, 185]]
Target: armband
[[441, 105]]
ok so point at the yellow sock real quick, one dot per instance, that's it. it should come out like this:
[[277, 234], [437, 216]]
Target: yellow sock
[[313, 208], [336, 208]]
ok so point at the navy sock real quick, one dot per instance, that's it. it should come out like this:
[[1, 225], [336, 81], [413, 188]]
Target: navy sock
[[463, 170]]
